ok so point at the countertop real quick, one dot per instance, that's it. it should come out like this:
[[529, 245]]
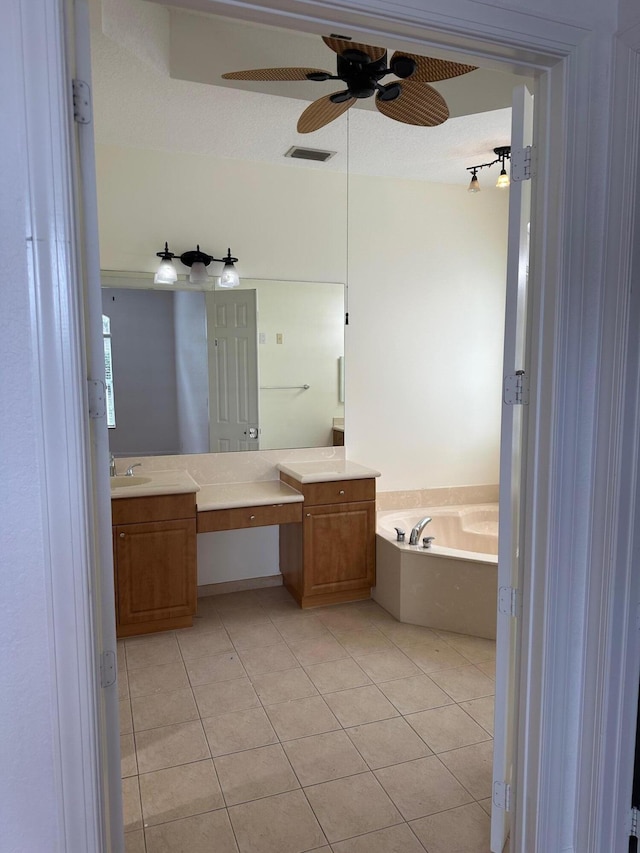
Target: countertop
[[233, 495], [324, 471], [157, 483]]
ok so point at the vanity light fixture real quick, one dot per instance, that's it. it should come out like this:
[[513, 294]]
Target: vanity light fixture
[[198, 262], [503, 153]]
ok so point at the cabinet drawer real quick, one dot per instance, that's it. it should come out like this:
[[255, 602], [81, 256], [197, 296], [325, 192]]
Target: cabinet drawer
[[250, 516], [334, 491], [153, 508]]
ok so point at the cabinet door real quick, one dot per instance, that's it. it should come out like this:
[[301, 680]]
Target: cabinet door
[[339, 547], [156, 570]]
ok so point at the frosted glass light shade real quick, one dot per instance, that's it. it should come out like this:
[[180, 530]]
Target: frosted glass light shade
[[166, 273], [229, 277], [474, 185], [503, 180], [198, 274]]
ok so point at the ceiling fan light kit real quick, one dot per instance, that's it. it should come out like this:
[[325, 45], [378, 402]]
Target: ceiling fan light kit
[[361, 67], [503, 153], [197, 261]]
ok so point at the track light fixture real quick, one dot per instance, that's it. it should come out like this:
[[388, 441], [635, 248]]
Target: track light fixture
[[503, 153], [198, 262]]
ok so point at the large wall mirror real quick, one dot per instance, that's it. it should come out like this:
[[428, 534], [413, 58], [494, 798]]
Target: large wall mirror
[[259, 367]]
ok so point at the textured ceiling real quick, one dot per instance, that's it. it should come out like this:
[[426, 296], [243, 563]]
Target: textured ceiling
[[137, 104]]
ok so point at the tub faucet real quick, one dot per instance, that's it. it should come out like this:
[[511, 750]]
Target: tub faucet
[[417, 530], [112, 465]]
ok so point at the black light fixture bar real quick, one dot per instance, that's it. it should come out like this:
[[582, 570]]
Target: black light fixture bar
[[166, 274], [503, 153]]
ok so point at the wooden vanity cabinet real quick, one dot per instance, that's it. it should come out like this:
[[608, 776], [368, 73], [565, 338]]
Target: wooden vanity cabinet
[[154, 549], [330, 557]]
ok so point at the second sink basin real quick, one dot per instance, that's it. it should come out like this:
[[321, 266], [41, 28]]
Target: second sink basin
[[123, 480]]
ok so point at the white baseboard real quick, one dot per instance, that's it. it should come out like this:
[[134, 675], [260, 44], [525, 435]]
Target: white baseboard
[[238, 586]]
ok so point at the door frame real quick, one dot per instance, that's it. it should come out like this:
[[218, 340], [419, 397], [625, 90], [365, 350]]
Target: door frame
[[578, 626]]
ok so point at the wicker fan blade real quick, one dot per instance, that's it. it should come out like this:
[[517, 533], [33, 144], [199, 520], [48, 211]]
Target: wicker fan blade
[[274, 74], [417, 103], [429, 70], [321, 112], [339, 46]]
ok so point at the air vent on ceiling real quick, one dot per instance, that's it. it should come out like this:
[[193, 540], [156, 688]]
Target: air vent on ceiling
[[318, 154]]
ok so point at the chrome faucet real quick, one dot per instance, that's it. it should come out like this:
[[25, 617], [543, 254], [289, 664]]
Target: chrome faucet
[[112, 465], [417, 530], [129, 471]]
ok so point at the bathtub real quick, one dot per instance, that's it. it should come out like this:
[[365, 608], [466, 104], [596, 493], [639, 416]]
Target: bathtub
[[453, 585]]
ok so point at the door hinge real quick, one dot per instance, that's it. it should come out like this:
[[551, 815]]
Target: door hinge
[[502, 796], [633, 823], [522, 166], [97, 398], [516, 389], [81, 102], [509, 601], [108, 668]]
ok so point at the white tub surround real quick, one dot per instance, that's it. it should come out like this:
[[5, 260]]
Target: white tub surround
[[438, 496], [451, 586], [325, 471]]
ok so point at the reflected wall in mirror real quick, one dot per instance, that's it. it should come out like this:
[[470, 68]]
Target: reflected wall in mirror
[[197, 371]]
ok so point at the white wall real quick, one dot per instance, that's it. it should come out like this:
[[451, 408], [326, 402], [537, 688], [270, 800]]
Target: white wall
[[426, 284]]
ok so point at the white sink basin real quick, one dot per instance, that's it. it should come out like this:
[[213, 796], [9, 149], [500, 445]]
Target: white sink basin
[[123, 480]]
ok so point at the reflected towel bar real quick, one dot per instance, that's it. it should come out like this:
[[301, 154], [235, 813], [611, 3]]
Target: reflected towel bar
[[284, 387]]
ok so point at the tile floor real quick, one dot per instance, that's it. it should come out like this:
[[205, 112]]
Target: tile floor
[[267, 729]]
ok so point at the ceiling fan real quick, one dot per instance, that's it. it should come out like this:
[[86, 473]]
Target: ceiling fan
[[361, 67]]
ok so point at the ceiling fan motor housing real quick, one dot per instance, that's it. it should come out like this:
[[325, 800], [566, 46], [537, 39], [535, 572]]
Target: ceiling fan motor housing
[[361, 75]]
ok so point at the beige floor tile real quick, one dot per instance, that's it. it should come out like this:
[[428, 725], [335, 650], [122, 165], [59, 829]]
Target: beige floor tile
[[131, 811], [317, 649], [163, 709], [486, 805], [151, 651], [276, 687], [340, 620], [128, 763], [488, 667], [157, 679], [302, 718], [203, 623], [360, 705], [206, 670], [462, 830], [268, 659], [387, 665], [446, 728], [255, 773], [169, 746], [300, 626], [475, 649], [473, 767], [464, 682], [227, 601], [126, 722], [134, 842], [222, 697], [352, 806], [403, 634], [431, 658], [422, 787], [254, 636], [337, 675], [280, 824], [121, 655], [394, 839], [201, 833], [244, 617], [365, 641], [482, 711], [178, 792], [387, 742], [268, 594], [322, 758], [277, 609], [418, 693], [204, 643], [207, 607], [238, 730], [123, 684]]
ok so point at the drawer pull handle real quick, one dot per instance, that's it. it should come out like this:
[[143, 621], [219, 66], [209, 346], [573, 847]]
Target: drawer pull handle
[[308, 515], [252, 518], [341, 492], [122, 535]]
